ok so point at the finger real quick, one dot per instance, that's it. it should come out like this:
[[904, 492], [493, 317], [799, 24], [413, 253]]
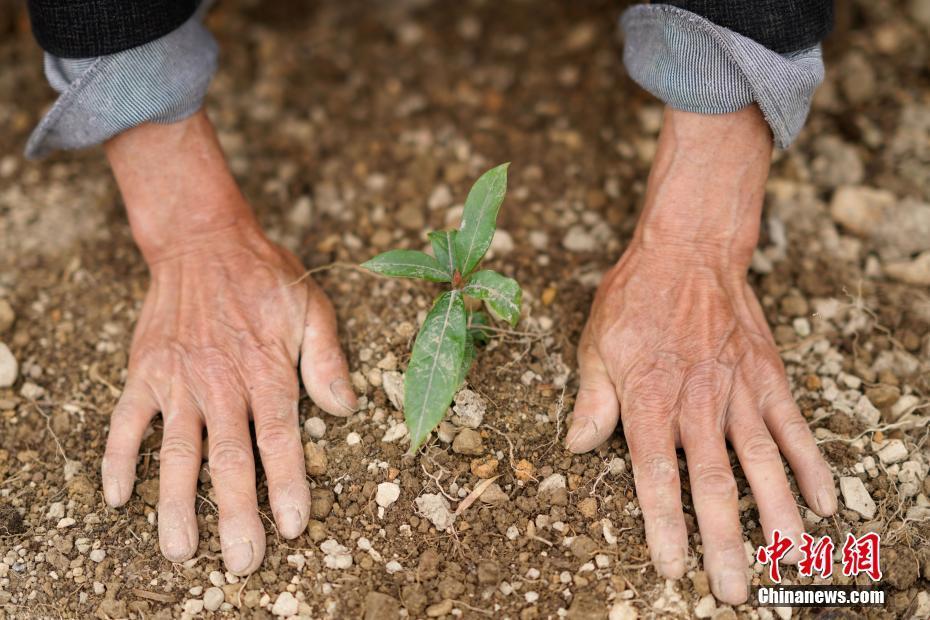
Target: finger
[[713, 490], [180, 465], [765, 472], [232, 470], [597, 410], [794, 438], [131, 416], [648, 408], [274, 408], [323, 366]]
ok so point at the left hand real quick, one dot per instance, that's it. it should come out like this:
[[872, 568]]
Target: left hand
[[677, 347]]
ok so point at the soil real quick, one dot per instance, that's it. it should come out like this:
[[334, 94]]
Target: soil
[[343, 122]]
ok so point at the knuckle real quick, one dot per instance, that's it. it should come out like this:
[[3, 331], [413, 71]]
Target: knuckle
[[655, 389], [177, 448], [276, 436], [759, 448], [716, 482], [704, 387], [229, 456], [657, 469], [794, 428], [730, 547], [215, 365]]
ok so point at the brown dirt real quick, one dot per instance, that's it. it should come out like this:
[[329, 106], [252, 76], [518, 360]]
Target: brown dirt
[[365, 108]]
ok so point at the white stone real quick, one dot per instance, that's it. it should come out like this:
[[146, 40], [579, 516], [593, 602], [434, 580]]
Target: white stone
[[866, 411], [353, 439], [285, 605], [217, 578], [577, 239], [336, 555], [705, 607], [193, 606], [435, 508], [9, 368], [440, 198], [552, 483], [616, 466], [861, 209], [315, 427], [393, 567], [916, 272], [393, 383], [396, 432], [56, 510], [66, 522], [213, 598], [904, 405], [856, 497], [387, 494], [97, 555], [623, 611], [502, 243], [893, 452], [469, 409]]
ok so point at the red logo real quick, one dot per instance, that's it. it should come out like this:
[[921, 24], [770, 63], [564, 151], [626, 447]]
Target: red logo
[[861, 555], [817, 557], [774, 552]]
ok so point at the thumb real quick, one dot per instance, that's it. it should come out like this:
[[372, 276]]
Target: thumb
[[596, 407], [323, 366]]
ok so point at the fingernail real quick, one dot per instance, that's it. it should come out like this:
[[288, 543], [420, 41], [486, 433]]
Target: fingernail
[[671, 562], [174, 536], [175, 546], [580, 435], [826, 502], [238, 555], [290, 522], [730, 587], [112, 489], [344, 395]]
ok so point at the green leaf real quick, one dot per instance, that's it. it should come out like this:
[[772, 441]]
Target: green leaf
[[479, 219], [408, 264], [435, 367], [443, 242], [501, 295], [477, 320], [468, 358]]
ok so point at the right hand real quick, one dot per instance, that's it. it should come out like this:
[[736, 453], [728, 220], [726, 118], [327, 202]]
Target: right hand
[[225, 319]]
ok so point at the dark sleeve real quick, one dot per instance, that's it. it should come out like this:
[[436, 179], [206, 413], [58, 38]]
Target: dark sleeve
[[783, 26], [88, 28]]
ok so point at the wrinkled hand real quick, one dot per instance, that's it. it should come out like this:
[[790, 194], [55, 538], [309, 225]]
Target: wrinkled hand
[[217, 341], [225, 319], [677, 348]]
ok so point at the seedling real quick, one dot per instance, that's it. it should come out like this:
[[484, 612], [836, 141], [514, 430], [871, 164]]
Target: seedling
[[444, 349]]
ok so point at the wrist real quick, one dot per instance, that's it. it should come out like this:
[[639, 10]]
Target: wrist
[[706, 187], [177, 188]]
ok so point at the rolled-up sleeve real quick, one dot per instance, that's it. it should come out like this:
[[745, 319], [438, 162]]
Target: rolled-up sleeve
[[719, 57], [163, 80]]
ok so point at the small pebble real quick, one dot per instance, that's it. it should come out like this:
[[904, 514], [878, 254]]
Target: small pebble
[[213, 598], [315, 427]]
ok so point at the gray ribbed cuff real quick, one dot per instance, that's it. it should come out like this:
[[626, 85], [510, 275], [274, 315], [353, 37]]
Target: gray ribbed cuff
[[162, 81], [694, 65]]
